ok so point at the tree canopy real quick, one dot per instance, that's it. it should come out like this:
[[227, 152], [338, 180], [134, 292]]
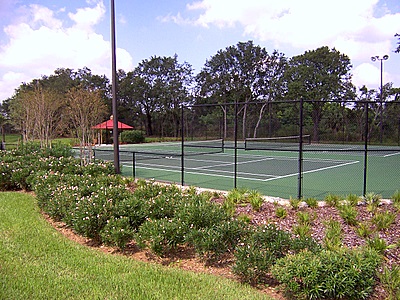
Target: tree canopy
[[244, 76]]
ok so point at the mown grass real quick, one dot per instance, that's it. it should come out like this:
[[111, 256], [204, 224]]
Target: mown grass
[[37, 262]]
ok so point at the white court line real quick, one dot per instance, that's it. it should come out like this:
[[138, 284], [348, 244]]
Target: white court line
[[392, 154], [208, 174], [271, 177], [178, 169], [230, 163], [316, 170]]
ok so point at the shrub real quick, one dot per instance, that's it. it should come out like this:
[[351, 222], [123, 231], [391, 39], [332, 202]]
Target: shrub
[[218, 239], [159, 201], [396, 199], [373, 201], [304, 218], [341, 274], [364, 230], [333, 235], [352, 199], [197, 212], [333, 200], [311, 202], [229, 207], [92, 211], [294, 202], [302, 230], [133, 209], [236, 196], [383, 220], [281, 212], [160, 235], [379, 245], [132, 136], [259, 251], [261, 248], [390, 279], [348, 213], [255, 199], [117, 232]]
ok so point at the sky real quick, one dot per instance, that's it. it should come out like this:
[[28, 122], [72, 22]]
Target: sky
[[39, 36]]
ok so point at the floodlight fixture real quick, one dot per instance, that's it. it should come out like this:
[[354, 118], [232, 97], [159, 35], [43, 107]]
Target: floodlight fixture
[[375, 58]]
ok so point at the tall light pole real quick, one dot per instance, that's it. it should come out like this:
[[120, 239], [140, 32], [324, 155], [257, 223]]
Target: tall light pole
[[114, 90], [376, 58]]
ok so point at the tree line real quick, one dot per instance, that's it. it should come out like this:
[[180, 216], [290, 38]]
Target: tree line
[[150, 97]]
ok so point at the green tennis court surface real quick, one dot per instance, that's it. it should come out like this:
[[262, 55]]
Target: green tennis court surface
[[337, 169]]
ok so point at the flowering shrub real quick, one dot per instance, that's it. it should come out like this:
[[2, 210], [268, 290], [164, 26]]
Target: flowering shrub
[[117, 232], [94, 208], [160, 235]]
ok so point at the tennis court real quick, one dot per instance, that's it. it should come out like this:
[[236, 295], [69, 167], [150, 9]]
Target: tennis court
[[273, 170]]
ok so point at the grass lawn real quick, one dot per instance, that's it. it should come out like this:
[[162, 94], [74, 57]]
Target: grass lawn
[[37, 262]]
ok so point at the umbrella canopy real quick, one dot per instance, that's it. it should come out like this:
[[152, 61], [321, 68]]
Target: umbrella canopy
[[109, 125]]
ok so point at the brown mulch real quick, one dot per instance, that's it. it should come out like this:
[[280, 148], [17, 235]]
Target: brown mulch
[[186, 259]]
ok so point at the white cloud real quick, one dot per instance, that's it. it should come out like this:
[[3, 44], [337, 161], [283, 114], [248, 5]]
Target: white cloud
[[301, 24], [357, 28], [41, 44], [86, 18]]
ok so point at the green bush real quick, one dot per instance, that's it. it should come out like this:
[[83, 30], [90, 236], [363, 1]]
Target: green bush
[[333, 200], [261, 248], [255, 199], [345, 274], [333, 235], [311, 202], [383, 220], [160, 235], [197, 212], [117, 232], [132, 208], [218, 239], [93, 210], [348, 213], [390, 279], [132, 136]]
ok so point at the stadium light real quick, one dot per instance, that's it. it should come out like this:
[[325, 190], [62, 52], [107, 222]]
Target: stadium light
[[378, 58]]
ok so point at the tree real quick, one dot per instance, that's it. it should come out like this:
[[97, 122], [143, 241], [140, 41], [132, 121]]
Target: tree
[[37, 111], [158, 86], [3, 121], [319, 75], [85, 109], [242, 73]]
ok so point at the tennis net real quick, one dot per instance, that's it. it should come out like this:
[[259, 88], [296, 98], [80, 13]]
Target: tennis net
[[203, 147], [168, 150], [282, 142]]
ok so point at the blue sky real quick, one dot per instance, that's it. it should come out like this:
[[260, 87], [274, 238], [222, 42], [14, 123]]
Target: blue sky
[[40, 36]]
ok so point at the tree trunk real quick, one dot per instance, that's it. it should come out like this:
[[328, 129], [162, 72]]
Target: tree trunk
[[259, 119], [316, 116], [149, 128]]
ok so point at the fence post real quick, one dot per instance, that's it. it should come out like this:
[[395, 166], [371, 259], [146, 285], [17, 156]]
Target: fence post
[[300, 160], [182, 148], [365, 150], [133, 165], [235, 134]]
